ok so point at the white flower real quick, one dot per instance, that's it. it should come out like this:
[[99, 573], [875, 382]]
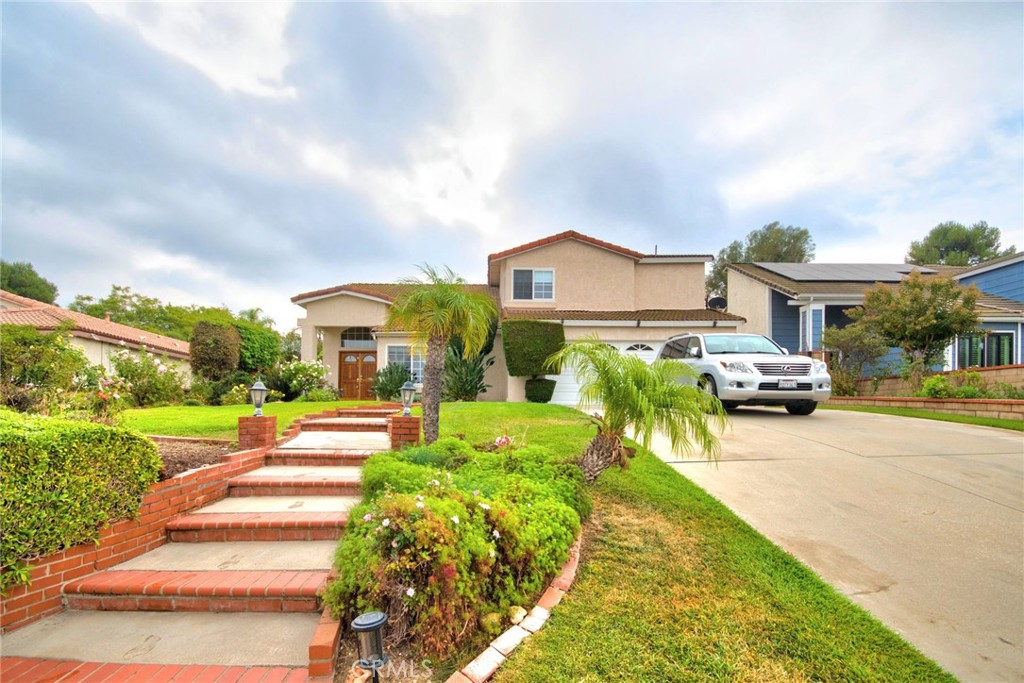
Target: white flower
[[410, 592], [485, 506], [455, 518], [419, 504], [386, 523], [435, 482], [419, 497], [496, 534]]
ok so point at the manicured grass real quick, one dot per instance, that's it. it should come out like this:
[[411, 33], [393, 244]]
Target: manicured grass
[[1016, 425], [217, 422], [563, 430]]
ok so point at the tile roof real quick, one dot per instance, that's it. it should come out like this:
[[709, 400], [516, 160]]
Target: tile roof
[[387, 291], [993, 306], [47, 317], [645, 315], [815, 284], [985, 265]]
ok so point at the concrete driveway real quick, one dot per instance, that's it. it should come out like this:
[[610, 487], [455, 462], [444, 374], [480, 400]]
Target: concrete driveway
[[920, 522]]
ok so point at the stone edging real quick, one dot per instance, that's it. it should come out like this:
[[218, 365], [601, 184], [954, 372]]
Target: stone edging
[[189, 439], [491, 659]]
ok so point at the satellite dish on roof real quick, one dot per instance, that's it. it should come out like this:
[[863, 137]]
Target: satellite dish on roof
[[717, 303]]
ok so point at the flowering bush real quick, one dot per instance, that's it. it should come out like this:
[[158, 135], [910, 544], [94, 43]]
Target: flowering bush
[[149, 380], [38, 371], [304, 376], [436, 549]]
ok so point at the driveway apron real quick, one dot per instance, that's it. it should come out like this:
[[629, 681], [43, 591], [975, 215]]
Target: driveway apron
[[920, 522]]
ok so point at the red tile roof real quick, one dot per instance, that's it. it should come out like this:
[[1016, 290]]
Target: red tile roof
[[24, 311], [386, 291], [567, 235]]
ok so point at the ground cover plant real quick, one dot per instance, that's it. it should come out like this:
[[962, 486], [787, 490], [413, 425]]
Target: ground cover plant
[[449, 538]]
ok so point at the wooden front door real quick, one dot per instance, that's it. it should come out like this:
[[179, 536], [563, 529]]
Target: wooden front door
[[356, 374]]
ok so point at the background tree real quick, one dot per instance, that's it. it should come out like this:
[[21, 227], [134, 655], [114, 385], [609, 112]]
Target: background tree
[[438, 308], [954, 244], [773, 243], [641, 397], [214, 350], [921, 316], [853, 349], [22, 279], [256, 316]]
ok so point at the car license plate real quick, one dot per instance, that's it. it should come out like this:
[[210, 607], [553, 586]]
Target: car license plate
[[787, 384]]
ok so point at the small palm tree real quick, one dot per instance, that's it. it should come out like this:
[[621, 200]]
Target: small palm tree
[[436, 309], [646, 398]]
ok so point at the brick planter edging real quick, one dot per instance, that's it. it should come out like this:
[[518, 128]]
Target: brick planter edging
[[975, 407], [500, 649], [123, 539]]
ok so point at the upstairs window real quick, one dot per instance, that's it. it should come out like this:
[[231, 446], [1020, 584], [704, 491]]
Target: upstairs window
[[533, 284]]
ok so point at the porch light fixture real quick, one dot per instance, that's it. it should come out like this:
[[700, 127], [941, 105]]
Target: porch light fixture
[[258, 392], [408, 392], [370, 641]]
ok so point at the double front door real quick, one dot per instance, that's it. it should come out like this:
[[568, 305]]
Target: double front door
[[356, 370]]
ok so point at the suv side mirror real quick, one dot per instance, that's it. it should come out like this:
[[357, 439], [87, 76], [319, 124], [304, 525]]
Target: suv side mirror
[[785, 351], [695, 353]]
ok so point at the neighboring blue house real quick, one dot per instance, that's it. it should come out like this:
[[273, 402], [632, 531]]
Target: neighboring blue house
[[793, 302]]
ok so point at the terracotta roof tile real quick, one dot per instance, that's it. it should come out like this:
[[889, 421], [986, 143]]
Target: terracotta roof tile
[[387, 291], [645, 315], [568, 234], [47, 317]]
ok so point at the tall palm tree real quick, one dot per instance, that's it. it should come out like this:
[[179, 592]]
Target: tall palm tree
[[437, 308], [644, 398]]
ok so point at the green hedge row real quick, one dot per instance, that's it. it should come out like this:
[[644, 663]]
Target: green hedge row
[[528, 344], [61, 482], [451, 538]]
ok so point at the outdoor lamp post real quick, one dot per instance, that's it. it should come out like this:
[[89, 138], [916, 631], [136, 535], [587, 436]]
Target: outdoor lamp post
[[408, 392], [258, 392], [370, 641]]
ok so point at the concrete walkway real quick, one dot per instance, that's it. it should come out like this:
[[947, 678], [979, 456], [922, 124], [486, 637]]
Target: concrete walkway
[[920, 522]]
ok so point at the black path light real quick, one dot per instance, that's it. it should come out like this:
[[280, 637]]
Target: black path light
[[368, 628], [258, 392], [408, 392]]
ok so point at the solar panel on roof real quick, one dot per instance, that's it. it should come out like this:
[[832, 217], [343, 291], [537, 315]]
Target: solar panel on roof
[[843, 272]]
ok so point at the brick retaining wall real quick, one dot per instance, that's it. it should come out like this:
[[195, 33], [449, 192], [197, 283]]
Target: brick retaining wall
[[122, 540], [1007, 410], [897, 386]]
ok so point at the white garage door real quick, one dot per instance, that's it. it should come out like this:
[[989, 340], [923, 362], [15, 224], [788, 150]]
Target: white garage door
[[566, 386]]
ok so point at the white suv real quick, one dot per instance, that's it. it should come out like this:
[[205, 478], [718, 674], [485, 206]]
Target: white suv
[[750, 369]]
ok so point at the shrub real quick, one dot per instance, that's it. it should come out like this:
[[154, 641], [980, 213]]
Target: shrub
[[968, 391], [236, 396], [936, 386], [61, 481], [214, 350], [464, 377], [149, 380], [853, 348], [388, 381], [304, 376], [322, 395], [259, 347], [539, 390], [38, 371], [529, 343]]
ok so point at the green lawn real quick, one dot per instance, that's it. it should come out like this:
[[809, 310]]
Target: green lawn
[[1016, 425], [217, 422]]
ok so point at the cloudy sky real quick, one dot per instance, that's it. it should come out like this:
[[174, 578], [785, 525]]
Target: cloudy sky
[[242, 153]]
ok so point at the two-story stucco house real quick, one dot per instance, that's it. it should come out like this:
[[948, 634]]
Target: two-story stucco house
[[793, 302], [630, 300]]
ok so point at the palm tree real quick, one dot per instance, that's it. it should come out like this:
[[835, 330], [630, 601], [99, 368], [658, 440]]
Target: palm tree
[[646, 398], [434, 310]]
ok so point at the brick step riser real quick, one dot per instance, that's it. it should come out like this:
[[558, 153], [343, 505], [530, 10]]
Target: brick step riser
[[366, 413], [252, 535], [144, 603], [246, 491], [382, 429], [317, 460]]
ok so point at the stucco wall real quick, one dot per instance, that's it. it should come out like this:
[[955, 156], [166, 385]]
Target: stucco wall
[[98, 353], [344, 310], [669, 285], [496, 375], [586, 277], [750, 299]]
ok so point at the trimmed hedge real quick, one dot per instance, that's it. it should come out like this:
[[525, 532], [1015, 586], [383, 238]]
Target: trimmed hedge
[[62, 481], [259, 349], [540, 390], [528, 344]]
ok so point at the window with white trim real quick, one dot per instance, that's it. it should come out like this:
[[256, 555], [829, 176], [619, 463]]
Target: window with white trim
[[994, 348], [408, 357], [533, 284]]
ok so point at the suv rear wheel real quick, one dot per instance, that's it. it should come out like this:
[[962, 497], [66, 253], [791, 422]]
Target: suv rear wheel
[[801, 407]]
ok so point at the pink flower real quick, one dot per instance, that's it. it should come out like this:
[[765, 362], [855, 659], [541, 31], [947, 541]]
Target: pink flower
[[367, 517], [410, 592]]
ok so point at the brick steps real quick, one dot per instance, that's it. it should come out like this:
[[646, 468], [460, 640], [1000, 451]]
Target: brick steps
[[297, 481], [36, 670], [317, 458], [257, 526], [347, 424], [206, 591]]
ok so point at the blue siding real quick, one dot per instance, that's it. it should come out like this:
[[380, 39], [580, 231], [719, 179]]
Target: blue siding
[[889, 364], [816, 316], [1007, 281], [785, 322]]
